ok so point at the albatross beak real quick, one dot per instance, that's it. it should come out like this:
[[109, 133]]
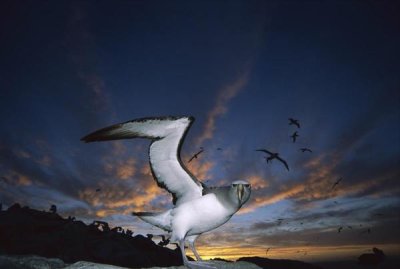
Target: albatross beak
[[240, 191]]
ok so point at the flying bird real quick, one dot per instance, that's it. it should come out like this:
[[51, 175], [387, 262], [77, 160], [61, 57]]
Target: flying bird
[[336, 183], [306, 149], [294, 136], [196, 154], [340, 229], [266, 252], [97, 190], [294, 122], [197, 208], [272, 156]]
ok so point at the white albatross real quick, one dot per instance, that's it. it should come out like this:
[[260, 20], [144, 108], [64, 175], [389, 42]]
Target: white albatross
[[197, 208]]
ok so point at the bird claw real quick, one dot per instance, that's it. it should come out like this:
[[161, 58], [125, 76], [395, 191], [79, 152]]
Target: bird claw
[[200, 265]]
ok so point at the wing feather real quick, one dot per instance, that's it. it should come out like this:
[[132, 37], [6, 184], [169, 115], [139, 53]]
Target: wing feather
[[167, 135]]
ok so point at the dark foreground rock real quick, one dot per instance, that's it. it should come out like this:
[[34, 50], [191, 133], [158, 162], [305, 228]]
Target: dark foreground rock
[[279, 264], [36, 262], [30, 262], [25, 231], [72, 244]]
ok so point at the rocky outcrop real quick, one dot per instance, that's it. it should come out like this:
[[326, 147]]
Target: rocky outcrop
[[72, 244], [279, 264], [25, 231], [36, 262]]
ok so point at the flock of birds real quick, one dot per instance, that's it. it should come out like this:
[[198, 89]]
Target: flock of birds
[[271, 155], [275, 156]]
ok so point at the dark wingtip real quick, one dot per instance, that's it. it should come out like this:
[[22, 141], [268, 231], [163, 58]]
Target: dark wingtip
[[86, 139], [90, 138], [101, 134], [139, 214]]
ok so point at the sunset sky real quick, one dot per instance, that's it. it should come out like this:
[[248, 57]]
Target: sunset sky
[[241, 68]]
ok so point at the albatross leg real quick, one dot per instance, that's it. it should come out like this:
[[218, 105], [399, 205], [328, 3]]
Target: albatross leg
[[193, 264], [191, 239], [182, 247]]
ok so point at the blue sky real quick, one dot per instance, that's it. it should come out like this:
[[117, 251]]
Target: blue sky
[[241, 68]]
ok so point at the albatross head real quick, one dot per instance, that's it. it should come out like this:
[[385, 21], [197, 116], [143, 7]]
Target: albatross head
[[240, 191]]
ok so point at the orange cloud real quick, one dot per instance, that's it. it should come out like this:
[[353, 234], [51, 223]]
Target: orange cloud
[[19, 179], [257, 182], [200, 169], [127, 169], [123, 197], [267, 199]]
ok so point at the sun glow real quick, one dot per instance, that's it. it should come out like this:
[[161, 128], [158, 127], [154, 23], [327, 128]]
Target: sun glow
[[305, 253]]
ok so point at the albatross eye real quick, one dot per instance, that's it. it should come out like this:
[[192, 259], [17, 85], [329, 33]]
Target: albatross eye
[[247, 185], [234, 185]]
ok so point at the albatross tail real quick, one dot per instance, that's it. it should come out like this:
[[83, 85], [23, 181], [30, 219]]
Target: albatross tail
[[160, 220]]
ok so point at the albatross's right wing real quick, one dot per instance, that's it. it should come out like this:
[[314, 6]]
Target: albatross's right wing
[[167, 134]]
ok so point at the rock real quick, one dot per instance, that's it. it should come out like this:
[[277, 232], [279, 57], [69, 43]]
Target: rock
[[36, 262], [25, 231], [372, 259], [217, 264], [91, 265], [279, 264], [30, 262]]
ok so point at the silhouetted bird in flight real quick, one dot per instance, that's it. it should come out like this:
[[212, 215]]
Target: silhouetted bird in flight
[[219, 148], [272, 156], [294, 136], [196, 154], [294, 122], [266, 252], [340, 229], [97, 190], [336, 183], [306, 149], [280, 221]]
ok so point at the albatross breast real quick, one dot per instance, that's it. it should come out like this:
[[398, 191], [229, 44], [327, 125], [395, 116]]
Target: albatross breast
[[201, 215]]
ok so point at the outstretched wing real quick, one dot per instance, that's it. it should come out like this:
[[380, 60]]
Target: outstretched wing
[[284, 162], [167, 135], [266, 151]]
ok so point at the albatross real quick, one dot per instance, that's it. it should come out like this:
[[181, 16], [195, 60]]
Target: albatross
[[197, 208]]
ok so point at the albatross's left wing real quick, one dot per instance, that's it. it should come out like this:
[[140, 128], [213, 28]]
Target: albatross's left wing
[[167, 134]]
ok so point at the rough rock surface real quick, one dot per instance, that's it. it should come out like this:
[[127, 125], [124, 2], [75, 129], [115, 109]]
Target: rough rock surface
[[25, 231], [30, 262], [36, 262]]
